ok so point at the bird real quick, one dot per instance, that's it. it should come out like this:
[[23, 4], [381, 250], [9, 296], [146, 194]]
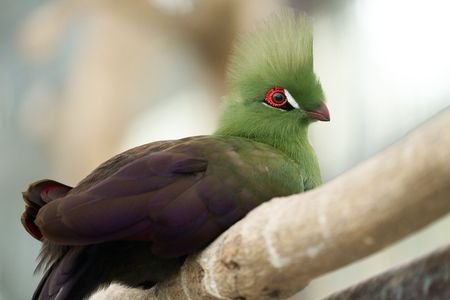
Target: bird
[[138, 215]]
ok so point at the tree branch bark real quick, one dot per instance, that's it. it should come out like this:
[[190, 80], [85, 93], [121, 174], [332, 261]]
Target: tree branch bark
[[283, 244], [424, 278]]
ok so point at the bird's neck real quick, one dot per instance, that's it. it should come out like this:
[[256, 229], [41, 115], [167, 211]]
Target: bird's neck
[[295, 145]]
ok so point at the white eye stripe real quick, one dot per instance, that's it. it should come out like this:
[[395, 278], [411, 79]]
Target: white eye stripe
[[291, 99]]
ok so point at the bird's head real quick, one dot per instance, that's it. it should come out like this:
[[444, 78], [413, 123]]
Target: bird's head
[[271, 82]]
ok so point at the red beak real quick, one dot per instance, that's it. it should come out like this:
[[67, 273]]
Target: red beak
[[321, 114]]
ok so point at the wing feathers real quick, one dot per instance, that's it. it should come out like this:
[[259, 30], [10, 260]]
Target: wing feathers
[[179, 198], [38, 195]]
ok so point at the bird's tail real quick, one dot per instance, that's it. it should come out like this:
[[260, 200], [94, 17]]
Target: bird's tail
[[62, 277], [38, 194], [55, 259]]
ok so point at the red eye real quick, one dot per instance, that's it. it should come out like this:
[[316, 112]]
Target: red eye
[[276, 97]]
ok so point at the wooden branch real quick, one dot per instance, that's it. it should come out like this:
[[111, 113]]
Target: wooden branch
[[283, 244], [424, 278]]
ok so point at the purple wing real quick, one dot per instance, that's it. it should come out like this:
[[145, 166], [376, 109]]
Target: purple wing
[[165, 197], [39, 194]]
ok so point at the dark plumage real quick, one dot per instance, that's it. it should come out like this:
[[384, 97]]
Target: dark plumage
[[135, 217]]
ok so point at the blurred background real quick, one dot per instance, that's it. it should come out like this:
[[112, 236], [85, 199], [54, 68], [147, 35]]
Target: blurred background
[[81, 80]]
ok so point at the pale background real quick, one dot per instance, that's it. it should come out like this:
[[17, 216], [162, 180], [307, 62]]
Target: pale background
[[81, 80]]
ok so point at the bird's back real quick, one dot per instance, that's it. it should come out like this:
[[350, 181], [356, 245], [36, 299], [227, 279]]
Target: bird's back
[[135, 217]]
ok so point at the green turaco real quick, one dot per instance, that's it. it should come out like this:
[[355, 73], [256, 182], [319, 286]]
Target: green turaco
[[134, 219]]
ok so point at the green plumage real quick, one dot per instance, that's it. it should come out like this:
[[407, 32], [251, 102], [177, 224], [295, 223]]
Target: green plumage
[[278, 53]]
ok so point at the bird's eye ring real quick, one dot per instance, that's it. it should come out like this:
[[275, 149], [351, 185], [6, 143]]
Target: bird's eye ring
[[276, 97]]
